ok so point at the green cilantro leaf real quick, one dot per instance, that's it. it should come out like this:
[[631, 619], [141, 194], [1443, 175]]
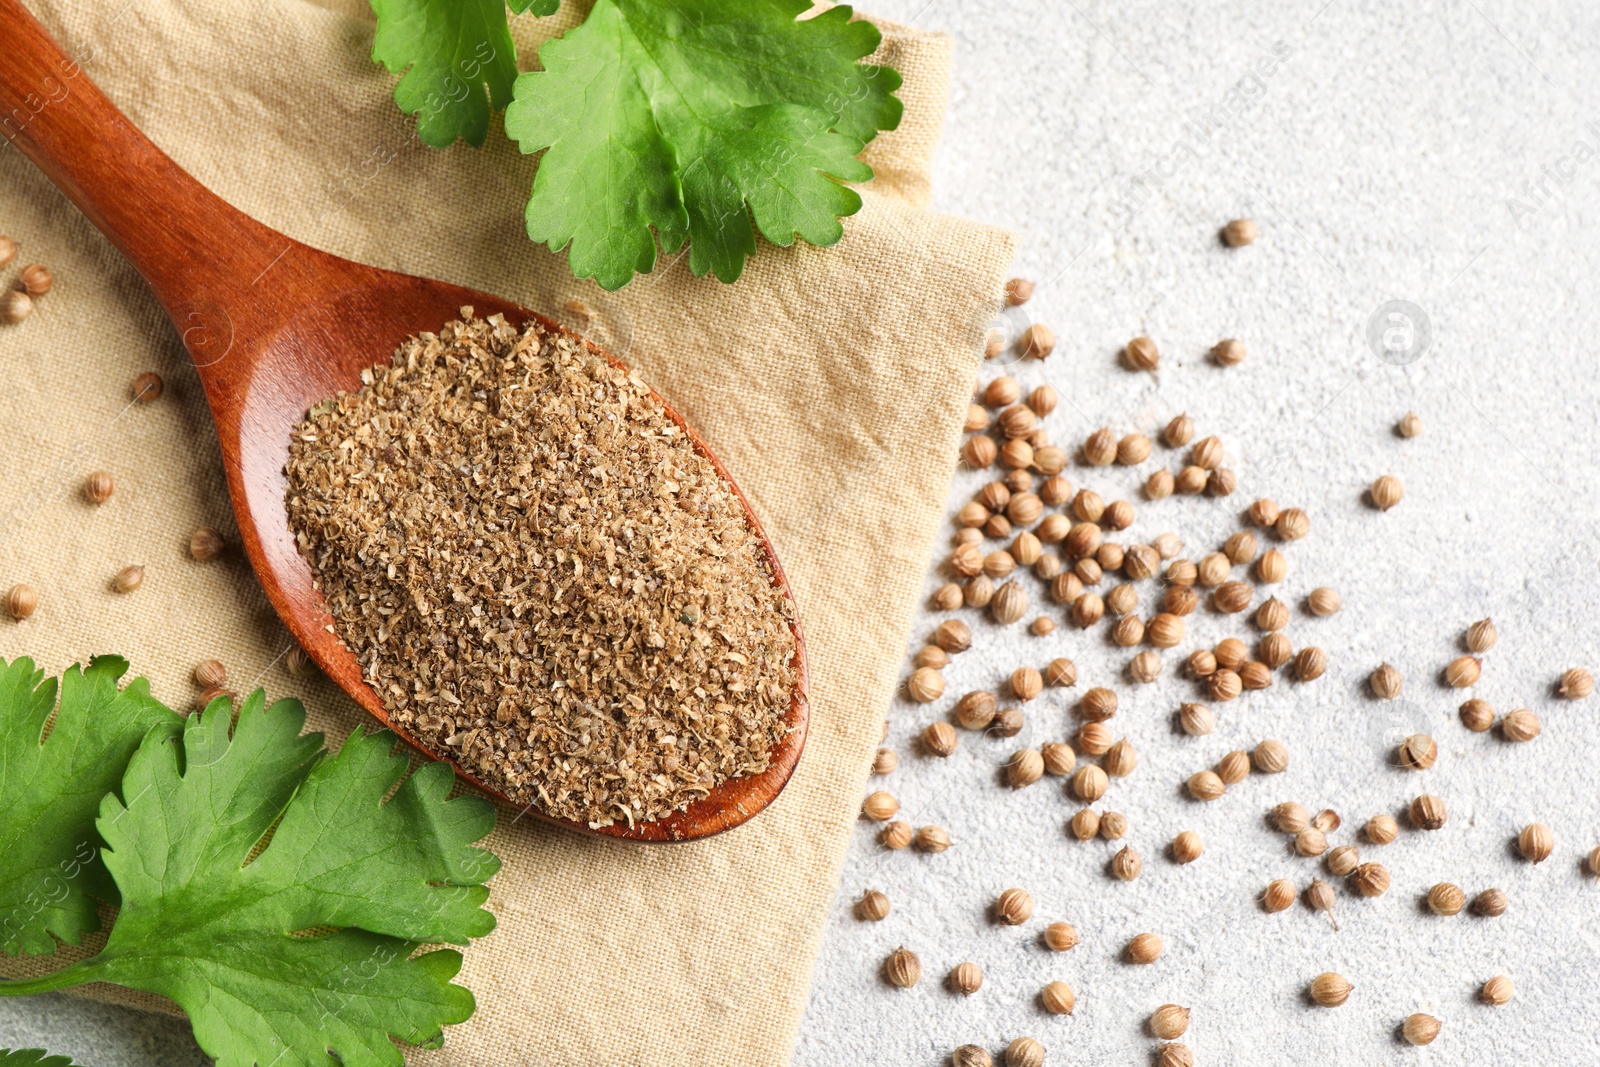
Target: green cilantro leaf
[[280, 899], [538, 7], [666, 120], [32, 1057], [457, 58], [50, 790]]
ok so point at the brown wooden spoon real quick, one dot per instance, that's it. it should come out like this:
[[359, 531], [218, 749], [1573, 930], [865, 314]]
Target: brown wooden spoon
[[272, 326]]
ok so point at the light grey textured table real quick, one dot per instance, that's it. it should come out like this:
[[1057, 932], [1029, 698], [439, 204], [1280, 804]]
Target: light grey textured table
[[1425, 153]]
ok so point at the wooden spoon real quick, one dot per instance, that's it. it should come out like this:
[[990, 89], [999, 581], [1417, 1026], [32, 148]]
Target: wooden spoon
[[272, 326]]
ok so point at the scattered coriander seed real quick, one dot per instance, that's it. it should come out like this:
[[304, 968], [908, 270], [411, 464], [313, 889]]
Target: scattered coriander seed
[[966, 560], [1418, 752], [931, 839], [1141, 354], [1180, 600], [1024, 508], [1381, 829], [895, 835], [21, 601], [1446, 899], [1239, 233], [1098, 704], [1272, 567], [1221, 482], [1410, 425], [298, 663], [1010, 603], [1007, 723], [1122, 599], [147, 387], [1174, 1054], [872, 907], [1420, 1028], [1536, 842], [1128, 631], [1120, 759], [1019, 480], [1324, 601], [1037, 341], [1234, 767], [902, 968], [36, 279], [972, 513], [1271, 757], [1144, 948], [969, 536], [210, 673], [1160, 484], [1290, 818], [925, 685], [1141, 562], [1310, 842], [971, 1056], [1178, 432], [1165, 630], [1370, 879], [947, 597], [1119, 515], [1385, 682], [1477, 715], [880, 806], [8, 251], [1196, 720], [15, 306], [1224, 685], [1043, 400], [1026, 549], [1497, 991], [1327, 820], [1089, 783], [1343, 861], [97, 487], [1133, 450], [1082, 540], [1202, 663], [1026, 683], [1167, 545], [1309, 663], [1061, 672], [1145, 667], [931, 656], [1594, 861], [1060, 937], [953, 636], [1462, 672], [1100, 448], [1576, 684], [999, 563], [1232, 597], [939, 739], [1520, 725], [1491, 903], [1053, 528], [976, 710], [979, 591], [1024, 1052], [1330, 990], [1481, 636], [1279, 896], [1018, 420], [979, 452], [1207, 453], [1191, 480], [1428, 812], [1013, 907], [1025, 767], [1057, 998], [1085, 824], [1264, 512], [215, 692], [128, 579], [1094, 739], [1292, 524], [1275, 650], [1043, 626], [1319, 897], [1059, 758], [977, 419], [1169, 1022], [1228, 353], [1126, 864], [1186, 847], [1048, 459], [1386, 492], [1206, 785], [966, 978], [1018, 290], [1240, 548], [1002, 392], [1212, 570]]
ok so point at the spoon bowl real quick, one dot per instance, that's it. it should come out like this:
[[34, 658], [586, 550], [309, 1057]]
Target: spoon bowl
[[272, 326]]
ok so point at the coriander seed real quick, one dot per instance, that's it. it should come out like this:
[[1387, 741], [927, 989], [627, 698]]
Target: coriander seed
[[1024, 1052], [1319, 897], [1141, 562], [980, 452], [1018, 290], [1310, 842], [1491, 903], [1224, 685], [931, 839], [1100, 448], [1275, 650], [1026, 549], [1053, 529], [1272, 567], [1018, 420], [1497, 991], [1082, 540], [1410, 425], [1196, 720], [1381, 829], [1428, 812], [1024, 508], [902, 968], [1178, 432], [1133, 450], [1094, 739], [1330, 990], [1462, 672], [1013, 907], [1002, 392], [1043, 626], [1060, 673], [1007, 723], [1126, 864], [1232, 597], [1370, 879], [128, 579], [947, 597], [1191, 480], [1264, 512], [1446, 899], [976, 710], [1290, 818], [1118, 515], [953, 636], [1186, 847], [1477, 715], [1206, 785], [939, 739], [880, 806], [1309, 663], [1059, 758], [925, 685], [210, 674], [1026, 683], [977, 419], [36, 279], [971, 1056], [1120, 759], [1066, 587], [1089, 783], [1113, 826], [1386, 492], [966, 978], [1418, 752], [1088, 571], [1420, 1028], [1144, 948], [15, 306], [1292, 524], [1085, 824], [1324, 601], [1088, 506], [1228, 353], [1279, 895], [1019, 480], [1212, 569], [1385, 682], [1165, 630], [895, 835], [1010, 603], [1238, 233], [1057, 998], [872, 907], [1221, 482], [1159, 485], [1141, 354], [1206, 453], [1234, 767], [1037, 341], [1174, 1054], [1168, 1022], [1326, 820], [1060, 937], [1520, 725], [97, 487], [1145, 667], [1271, 757], [1128, 631], [1240, 548], [21, 601], [1536, 842], [1043, 400], [1576, 684], [1123, 599], [1025, 767], [1098, 704], [1180, 600], [1202, 663], [1481, 636]]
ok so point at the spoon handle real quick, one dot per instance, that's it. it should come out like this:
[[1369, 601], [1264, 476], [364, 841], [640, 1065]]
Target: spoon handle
[[186, 241]]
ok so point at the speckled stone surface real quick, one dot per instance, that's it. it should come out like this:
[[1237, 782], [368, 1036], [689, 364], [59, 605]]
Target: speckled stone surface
[[1427, 153]]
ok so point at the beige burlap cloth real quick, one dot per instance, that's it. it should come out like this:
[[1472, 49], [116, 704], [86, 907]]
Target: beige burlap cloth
[[831, 381]]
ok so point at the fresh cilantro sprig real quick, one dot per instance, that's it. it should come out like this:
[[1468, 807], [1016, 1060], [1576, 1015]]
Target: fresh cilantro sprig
[[660, 121], [278, 894], [32, 1057]]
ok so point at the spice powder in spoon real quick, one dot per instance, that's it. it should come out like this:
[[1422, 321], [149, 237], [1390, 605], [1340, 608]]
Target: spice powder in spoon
[[541, 576]]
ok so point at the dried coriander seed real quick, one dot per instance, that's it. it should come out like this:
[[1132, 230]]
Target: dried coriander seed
[[147, 387], [1324, 601], [977, 419], [880, 806], [1119, 515], [1144, 948], [979, 591], [1178, 432], [1196, 719], [1497, 991], [1343, 860], [1290, 818], [1594, 861], [999, 563], [1477, 715], [15, 306], [1048, 459], [1100, 448], [902, 968], [977, 709], [1145, 667], [1410, 425], [1381, 829], [1221, 482], [1037, 341], [1191, 480], [1042, 626], [1310, 842], [1385, 682], [210, 674], [1271, 757], [1326, 820], [1133, 449], [1120, 759], [1098, 704], [931, 656], [971, 1056], [1002, 392], [1330, 989], [1491, 903], [1089, 783], [1180, 600], [1238, 233], [1255, 675], [97, 488], [36, 279], [1386, 492], [1174, 1054], [128, 579], [1060, 937], [1319, 897], [939, 739], [1481, 636], [1536, 842], [1275, 650], [1228, 353], [1013, 907], [1026, 683], [1025, 767], [1122, 599], [1024, 508], [925, 685], [1206, 785], [1462, 672], [1446, 899], [1232, 597], [895, 835], [1264, 512], [1094, 739], [1309, 663], [298, 663], [1420, 1028], [979, 452], [1202, 663], [1272, 567], [1206, 453], [1186, 847], [1224, 685], [1061, 672], [1165, 630], [1141, 562], [1043, 400], [953, 636], [1576, 684], [1160, 485], [1370, 879], [872, 907], [21, 601], [1018, 290], [931, 839], [1084, 824], [1059, 758], [1212, 569], [1128, 631], [1057, 998], [966, 978], [1126, 864], [1292, 524], [1428, 812], [1141, 354], [1024, 1052], [1234, 767], [1007, 723], [1009, 605], [947, 597]]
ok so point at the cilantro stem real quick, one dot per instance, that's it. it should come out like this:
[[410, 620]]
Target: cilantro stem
[[74, 974]]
